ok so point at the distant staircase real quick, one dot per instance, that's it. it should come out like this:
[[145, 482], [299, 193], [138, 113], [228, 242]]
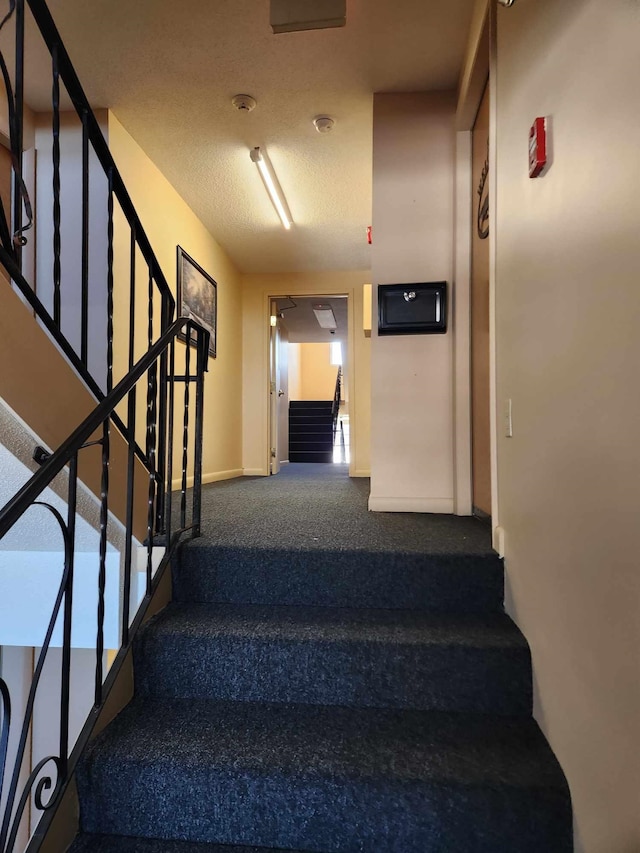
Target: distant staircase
[[311, 431]]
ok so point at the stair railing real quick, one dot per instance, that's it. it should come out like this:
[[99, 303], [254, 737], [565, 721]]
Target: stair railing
[[15, 225], [47, 780], [335, 408]]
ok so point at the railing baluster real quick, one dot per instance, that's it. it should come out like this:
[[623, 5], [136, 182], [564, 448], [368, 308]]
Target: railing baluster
[[151, 502], [132, 296], [84, 323], [68, 610], [17, 130], [126, 597], [169, 479], [162, 435], [203, 355], [110, 283], [102, 571], [152, 393], [55, 99], [185, 430]]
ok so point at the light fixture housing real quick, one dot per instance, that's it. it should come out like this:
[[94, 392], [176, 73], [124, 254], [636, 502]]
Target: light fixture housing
[[272, 185], [325, 317], [290, 16]]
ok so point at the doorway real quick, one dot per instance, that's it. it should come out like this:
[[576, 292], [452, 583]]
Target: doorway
[[309, 419]]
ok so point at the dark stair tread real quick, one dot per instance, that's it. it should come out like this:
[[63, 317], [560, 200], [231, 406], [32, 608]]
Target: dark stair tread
[[338, 625], [326, 742], [419, 777], [365, 658], [88, 843], [311, 572]]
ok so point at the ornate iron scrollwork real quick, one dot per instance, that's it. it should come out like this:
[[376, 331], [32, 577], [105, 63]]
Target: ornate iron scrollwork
[[13, 817], [482, 221]]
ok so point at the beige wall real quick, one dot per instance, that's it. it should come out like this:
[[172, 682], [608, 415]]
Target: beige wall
[[568, 314], [255, 383], [412, 375], [317, 374], [169, 221]]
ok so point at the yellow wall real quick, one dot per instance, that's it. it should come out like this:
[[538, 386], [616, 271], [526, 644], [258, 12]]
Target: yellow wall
[[169, 221], [317, 374], [294, 372], [255, 383], [568, 314]]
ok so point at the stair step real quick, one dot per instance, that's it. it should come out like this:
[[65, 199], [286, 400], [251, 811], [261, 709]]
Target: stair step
[[311, 404], [294, 419], [210, 573], [86, 843], [320, 456], [365, 658], [325, 779], [301, 427], [311, 441]]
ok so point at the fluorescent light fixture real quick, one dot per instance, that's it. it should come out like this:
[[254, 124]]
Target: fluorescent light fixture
[[290, 16], [272, 186], [325, 316]]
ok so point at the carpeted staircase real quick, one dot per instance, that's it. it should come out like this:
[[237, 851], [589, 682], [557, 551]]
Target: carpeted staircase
[[310, 431], [327, 680]]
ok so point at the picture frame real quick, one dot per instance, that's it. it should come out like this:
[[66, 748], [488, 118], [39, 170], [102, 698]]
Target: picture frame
[[197, 298]]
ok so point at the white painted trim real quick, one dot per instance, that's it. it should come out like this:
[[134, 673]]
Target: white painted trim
[[462, 474], [360, 472], [212, 477], [498, 539], [390, 504], [254, 472]]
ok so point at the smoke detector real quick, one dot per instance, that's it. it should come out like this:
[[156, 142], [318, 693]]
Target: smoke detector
[[244, 103], [323, 124]]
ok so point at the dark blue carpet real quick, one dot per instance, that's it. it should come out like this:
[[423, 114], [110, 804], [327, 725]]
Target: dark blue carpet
[[327, 680]]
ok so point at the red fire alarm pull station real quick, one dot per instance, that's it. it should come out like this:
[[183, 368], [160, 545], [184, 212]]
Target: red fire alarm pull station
[[537, 147], [369, 237]]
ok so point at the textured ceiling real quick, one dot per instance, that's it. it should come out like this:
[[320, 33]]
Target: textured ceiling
[[169, 71], [301, 323]]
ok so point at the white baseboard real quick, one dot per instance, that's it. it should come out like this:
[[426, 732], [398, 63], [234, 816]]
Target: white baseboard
[[379, 503], [360, 472], [254, 472], [213, 477]]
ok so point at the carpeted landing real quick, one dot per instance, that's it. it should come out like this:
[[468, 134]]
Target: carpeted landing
[[329, 680]]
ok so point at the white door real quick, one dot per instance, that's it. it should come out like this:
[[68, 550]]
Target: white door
[[274, 389]]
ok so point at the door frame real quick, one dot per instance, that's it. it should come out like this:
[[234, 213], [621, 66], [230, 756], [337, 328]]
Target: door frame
[[480, 65], [349, 295]]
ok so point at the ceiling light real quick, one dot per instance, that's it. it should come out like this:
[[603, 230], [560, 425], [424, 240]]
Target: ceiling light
[[289, 16], [323, 124], [325, 316], [272, 185]]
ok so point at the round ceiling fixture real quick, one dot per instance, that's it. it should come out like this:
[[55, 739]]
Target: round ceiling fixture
[[244, 103], [323, 124]]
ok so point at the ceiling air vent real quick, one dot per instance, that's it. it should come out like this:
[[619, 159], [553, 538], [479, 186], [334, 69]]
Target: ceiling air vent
[[290, 16]]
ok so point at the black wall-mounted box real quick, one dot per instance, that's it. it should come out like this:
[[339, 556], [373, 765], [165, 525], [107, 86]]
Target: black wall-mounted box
[[412, 309]]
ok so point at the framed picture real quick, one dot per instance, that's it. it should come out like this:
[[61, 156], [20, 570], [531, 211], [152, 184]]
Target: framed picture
[[197, 298]]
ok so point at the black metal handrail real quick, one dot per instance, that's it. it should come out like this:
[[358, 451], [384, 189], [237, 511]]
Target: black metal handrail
[[99, 422], [335, 407], [13, 226]]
